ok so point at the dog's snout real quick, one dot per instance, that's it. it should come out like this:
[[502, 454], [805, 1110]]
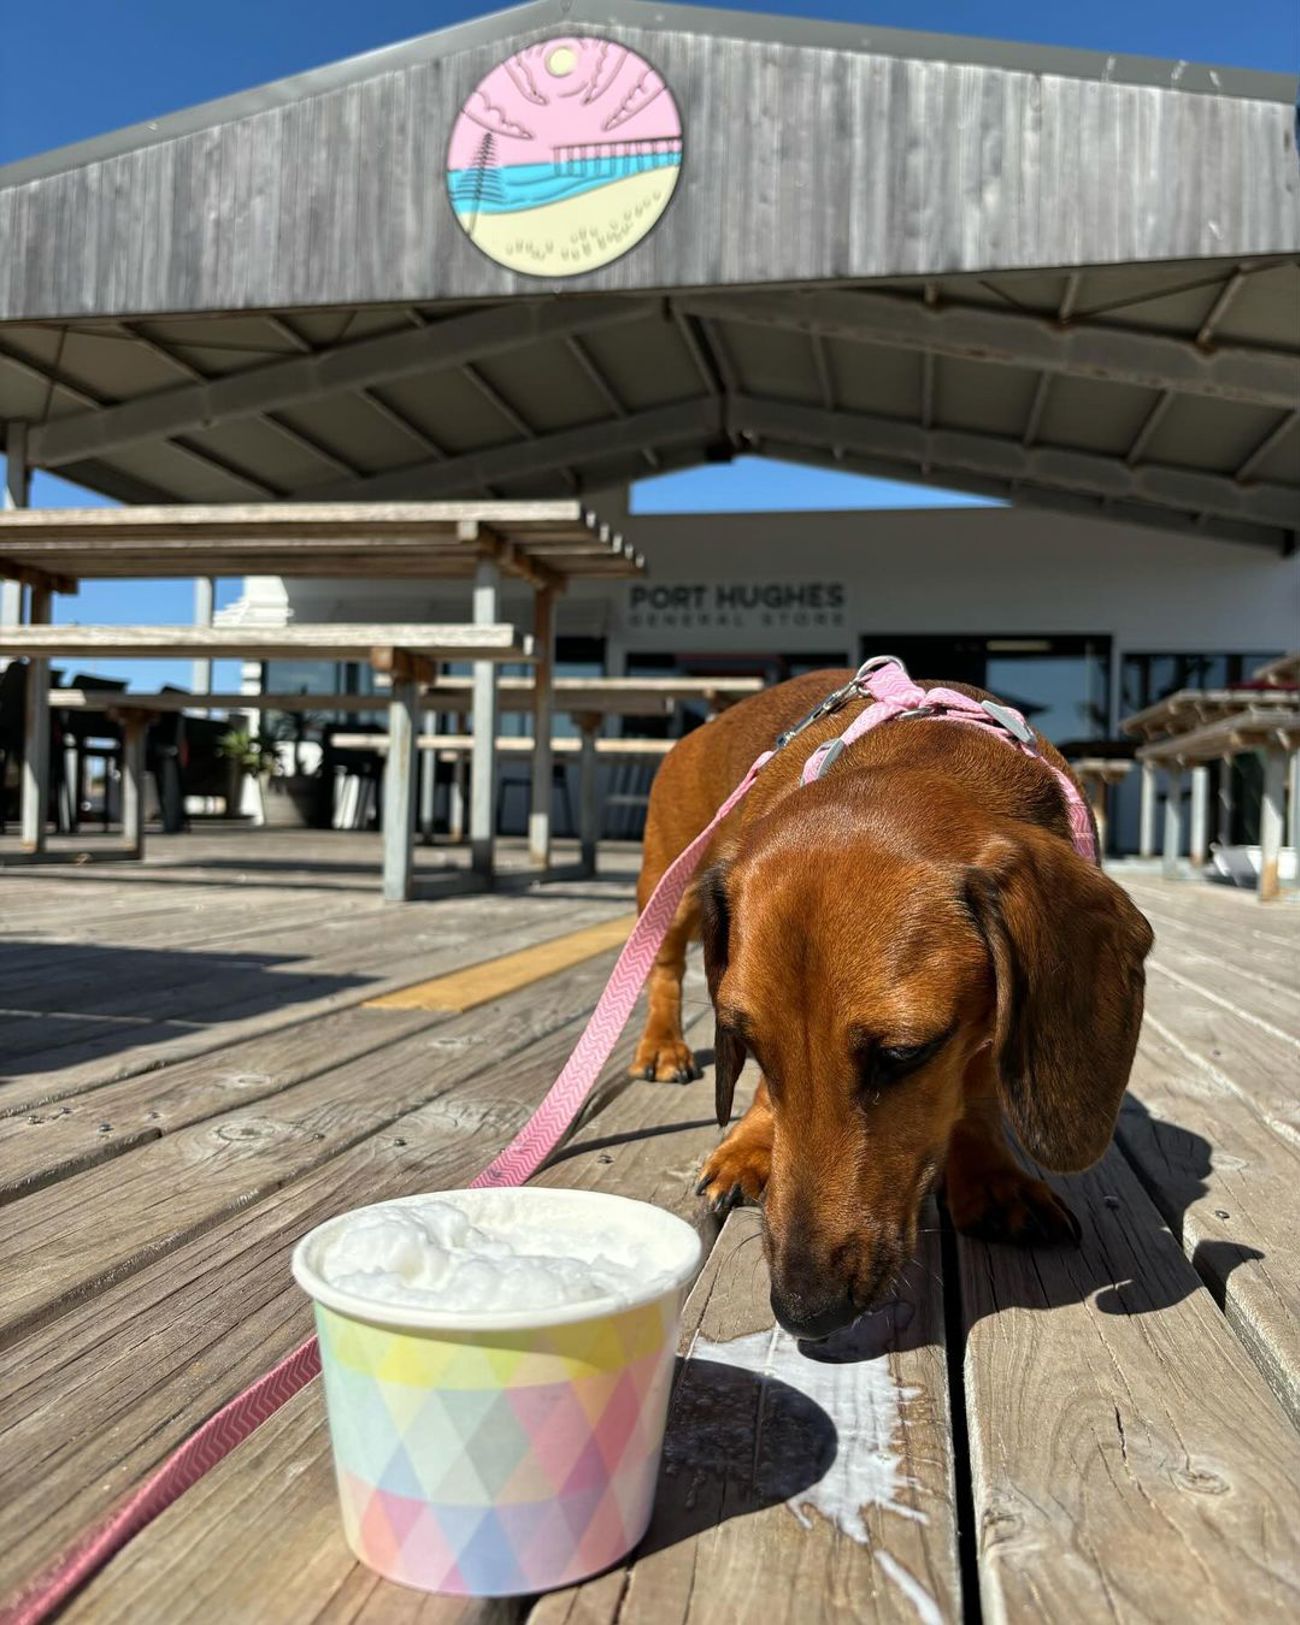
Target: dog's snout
[[811, 1296], [812, 1318]]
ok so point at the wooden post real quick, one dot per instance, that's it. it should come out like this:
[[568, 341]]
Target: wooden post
[[1199, 837], [1097, 800], [399, 790], [1147, 811], [458, 790], [36, 734], [1173, 821], [539, 817], [134, 726], [428, 781], [588, 793], [16, 495], [1225, 801], [483, 726], [204, 599], [1270, 823]]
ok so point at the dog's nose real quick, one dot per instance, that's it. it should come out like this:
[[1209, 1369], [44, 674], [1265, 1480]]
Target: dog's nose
[[812, 1317]]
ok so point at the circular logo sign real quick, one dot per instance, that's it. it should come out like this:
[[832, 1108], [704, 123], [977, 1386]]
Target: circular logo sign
[[564, 156]]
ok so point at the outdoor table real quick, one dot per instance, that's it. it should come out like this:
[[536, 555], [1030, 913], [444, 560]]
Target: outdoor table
[[1188, 709], [1269, 729], [405, 652]]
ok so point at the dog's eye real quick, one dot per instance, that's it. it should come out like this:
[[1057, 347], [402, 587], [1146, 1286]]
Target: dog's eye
[[887, 1062]]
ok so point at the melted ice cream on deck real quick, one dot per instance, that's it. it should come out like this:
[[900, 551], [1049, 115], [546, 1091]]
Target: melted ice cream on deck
[[428, 1255]]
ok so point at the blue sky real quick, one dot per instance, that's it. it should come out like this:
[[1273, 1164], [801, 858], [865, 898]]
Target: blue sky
[[129, 60]]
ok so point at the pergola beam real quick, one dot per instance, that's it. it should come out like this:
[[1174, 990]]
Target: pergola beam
[[451, 343], [1087, 472], [973, 333], [660, 426], [1014, 494]]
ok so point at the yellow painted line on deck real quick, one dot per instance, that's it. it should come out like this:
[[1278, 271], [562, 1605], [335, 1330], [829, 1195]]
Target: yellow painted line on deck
[[480, 984]]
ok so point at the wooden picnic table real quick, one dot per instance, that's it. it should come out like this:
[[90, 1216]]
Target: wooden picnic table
[[1180, 713], [1071, 1434], [1284, 672], [406, 652], [544, 544], [1273, 731]]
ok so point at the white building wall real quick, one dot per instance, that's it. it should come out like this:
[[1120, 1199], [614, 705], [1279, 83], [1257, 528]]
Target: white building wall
[[918, 571]]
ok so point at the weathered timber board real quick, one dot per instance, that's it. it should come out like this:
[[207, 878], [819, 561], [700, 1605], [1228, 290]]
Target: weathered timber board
[[795, 1488], [49, 1143], [89, 1064], [89, 1403], [1128, 1460], [1228, 1187]]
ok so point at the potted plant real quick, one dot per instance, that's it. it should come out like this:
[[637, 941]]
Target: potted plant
[[290, 799]]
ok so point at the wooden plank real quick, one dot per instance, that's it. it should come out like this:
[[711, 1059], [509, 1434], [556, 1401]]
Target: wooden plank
[[512, 745], [49, 1143], [1128, 1461], [89, 1403], [795, 1486], [494, 978], [342, 641], [1228, 1187], [89, 1063], [515, 696], [1229, 1045]]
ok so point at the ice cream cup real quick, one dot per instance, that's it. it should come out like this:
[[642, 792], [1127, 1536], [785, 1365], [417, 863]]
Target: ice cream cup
[[499, 1454]]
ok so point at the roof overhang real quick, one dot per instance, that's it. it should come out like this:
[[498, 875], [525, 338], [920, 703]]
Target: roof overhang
[[270, 298]]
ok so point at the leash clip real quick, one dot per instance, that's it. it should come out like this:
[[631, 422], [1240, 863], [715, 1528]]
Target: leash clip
[[827, 707]]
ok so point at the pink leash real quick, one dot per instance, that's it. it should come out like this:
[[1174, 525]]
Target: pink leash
[[885, 682]]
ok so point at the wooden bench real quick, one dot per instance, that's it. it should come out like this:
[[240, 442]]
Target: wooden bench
[[588, 750], [1269, 729]]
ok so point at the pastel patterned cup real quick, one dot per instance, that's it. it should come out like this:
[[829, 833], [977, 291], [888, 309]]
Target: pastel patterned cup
[[499, 1454]]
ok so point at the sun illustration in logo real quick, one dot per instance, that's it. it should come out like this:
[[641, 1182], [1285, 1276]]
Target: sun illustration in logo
[[564, 156]]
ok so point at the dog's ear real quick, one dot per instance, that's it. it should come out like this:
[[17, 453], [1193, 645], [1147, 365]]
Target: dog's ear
[[715, 933], [1067, 948]]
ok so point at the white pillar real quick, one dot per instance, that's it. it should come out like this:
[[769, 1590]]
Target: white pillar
[[399, 790], [1173, 821], [1293, 810], [133, 733], [458, 789], [16, 495], [1225, 801], [428, 781], [204, 598], [1147, 811], [539, 817], [1199, 837], [483, 768], [1270, 823], [36, 735], [588, 793]]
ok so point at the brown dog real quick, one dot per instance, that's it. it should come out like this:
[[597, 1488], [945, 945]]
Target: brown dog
[[912, 951]]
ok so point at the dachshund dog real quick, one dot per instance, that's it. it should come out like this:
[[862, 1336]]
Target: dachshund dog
[[914, 954]]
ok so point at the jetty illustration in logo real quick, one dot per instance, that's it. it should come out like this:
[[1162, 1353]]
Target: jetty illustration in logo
[[564, 156]]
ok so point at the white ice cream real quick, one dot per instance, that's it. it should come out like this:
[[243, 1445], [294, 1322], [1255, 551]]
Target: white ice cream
[[428, 1255]]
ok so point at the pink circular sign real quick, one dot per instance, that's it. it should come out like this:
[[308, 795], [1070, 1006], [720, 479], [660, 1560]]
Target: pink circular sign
[[564, 156]]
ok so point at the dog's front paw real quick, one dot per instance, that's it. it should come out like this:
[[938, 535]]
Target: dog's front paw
[[737, 1171], [664, 1060], [1010, 1206]]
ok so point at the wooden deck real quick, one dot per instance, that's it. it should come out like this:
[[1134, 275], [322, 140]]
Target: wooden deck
[[196, 1071]]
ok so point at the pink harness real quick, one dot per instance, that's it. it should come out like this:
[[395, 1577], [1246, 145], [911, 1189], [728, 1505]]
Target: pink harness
[[885, 682]]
